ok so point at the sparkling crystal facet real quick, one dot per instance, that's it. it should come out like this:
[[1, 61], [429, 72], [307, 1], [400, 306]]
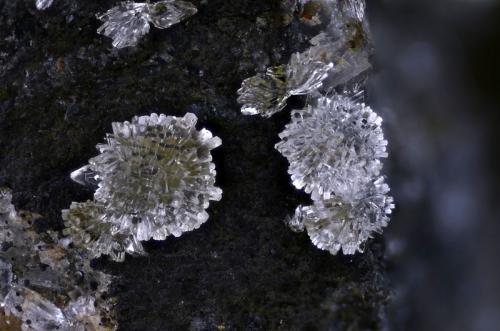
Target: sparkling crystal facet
[[128, 22]]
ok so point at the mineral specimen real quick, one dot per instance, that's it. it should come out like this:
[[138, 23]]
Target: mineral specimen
[[88, 232], [266, 94], [43, 4], [128, 22], [338, 55], [345, 41], [346, 221], [44, 281], [155, 176], [350, 60], [333, 146]]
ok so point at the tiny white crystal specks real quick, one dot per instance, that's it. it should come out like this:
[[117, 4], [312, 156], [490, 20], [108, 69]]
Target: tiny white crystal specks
[[128, 22], [43, 4], [155, 178]]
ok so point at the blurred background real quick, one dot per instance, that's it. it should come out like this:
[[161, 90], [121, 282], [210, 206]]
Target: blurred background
[[437, 89]]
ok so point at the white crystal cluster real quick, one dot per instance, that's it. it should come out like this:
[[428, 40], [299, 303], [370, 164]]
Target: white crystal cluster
[[155, 178], [337, 55], [45, 282], [85, 226], [266, 94], [345, 222], [128, 22], [43, 4], [333, 145], [334, 150]]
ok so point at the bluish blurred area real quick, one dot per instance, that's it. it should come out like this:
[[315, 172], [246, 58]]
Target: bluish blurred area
[[437, 85]]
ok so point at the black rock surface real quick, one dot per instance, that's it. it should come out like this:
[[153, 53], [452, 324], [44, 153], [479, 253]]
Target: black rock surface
[[62, 86]]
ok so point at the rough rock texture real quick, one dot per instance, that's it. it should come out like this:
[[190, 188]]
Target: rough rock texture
[[63, 85]]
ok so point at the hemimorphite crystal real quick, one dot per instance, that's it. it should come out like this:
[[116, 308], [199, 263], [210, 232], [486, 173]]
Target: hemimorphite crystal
[[85, 226], [164, 14], [155, 176], [350, 57], [266, 94], [332, 146], [306, 72], [345, 222], [128, 22]]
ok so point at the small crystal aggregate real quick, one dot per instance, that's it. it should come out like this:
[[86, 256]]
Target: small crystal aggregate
[[84, 225], [346, 221], [155, 178], [128, 22], [266, 94], [45, 282], [333, 145], [43, 4], [337, 55]]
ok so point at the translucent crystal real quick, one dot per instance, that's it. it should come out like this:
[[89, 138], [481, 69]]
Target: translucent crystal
[[156, 176], [87, 230], [350, 57], [85, 176], [44, 281], [345, 42], [346, 222], [266, 94], [41, 314], [332, 146], [43, 4], [164, 14], [306, 72], [128, 22], [354, 9]]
